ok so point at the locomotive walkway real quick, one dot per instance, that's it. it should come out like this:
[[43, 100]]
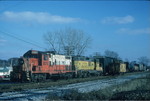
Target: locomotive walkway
[[40, 94]]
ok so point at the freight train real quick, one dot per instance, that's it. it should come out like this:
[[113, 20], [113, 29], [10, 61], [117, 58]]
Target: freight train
[[39, 66]]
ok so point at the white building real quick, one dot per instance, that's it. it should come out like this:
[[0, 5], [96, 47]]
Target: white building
[[5, 73]]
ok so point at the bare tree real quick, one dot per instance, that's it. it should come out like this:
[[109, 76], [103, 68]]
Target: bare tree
[[144, 60], [126, 60], [97, 54], [68, 41], [112, 54], [51, 39]]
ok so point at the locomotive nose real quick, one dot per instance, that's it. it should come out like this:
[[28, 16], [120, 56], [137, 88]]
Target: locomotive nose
[[21, 61]]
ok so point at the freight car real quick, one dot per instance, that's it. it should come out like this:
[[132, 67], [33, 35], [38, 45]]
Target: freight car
[[37, 66], [85, 66], [134, 66], [110, 65], [127, 66], [142, 67], [123, 68]]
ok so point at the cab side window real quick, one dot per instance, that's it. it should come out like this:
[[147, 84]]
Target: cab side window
[[45, 57]]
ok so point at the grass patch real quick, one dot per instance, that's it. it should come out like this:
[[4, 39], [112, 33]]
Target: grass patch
[[23, 86], [137, 89]]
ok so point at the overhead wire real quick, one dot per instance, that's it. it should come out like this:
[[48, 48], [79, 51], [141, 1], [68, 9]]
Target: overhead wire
[[19, 36], [20, 39]]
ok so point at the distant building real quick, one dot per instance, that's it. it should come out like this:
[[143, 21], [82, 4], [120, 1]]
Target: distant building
[[5, 73], [9, 62], [13, 61]]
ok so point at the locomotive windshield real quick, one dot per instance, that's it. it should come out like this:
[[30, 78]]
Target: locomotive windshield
[[31, 54], [21, 61]]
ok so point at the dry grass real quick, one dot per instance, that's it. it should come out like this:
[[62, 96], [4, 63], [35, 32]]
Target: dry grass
[[139, 89], [24, 86]]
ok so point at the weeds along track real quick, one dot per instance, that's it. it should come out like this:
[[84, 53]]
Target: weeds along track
[[40, 94], [101, 84], [35, 94]]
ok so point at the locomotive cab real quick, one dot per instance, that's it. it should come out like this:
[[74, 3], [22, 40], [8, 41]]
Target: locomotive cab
[[31, 62]]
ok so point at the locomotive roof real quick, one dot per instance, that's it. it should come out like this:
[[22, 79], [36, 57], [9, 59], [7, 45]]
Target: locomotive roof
[[103, 57], [35, 52], [82, 58]]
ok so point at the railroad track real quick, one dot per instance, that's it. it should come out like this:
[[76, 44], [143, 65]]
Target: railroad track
[[40, 94]]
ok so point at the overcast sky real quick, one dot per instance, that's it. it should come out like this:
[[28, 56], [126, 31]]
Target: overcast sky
[[120, 26]]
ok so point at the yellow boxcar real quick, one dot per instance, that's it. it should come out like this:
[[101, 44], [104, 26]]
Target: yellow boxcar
[[122, 68], [99, 67]]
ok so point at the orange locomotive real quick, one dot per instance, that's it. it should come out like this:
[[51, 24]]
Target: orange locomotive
[[38, 66]]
